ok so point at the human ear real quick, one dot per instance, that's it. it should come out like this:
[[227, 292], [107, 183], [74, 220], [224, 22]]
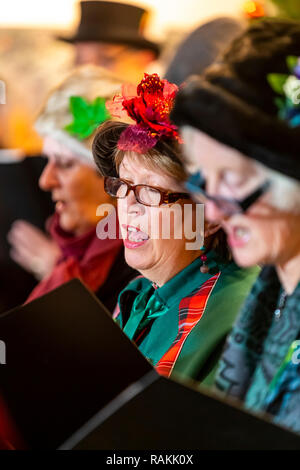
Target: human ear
[[211, 228]]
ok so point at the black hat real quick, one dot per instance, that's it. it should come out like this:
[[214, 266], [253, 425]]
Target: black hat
[[112, 22], [234, 103], [201, 48]]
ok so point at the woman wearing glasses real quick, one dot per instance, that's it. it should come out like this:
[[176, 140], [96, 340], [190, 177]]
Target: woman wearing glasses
[[240, 123], [180, 309]]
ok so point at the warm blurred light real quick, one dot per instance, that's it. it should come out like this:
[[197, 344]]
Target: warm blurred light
[[254, 9], [52, 13], [188, 14], [182, 14]]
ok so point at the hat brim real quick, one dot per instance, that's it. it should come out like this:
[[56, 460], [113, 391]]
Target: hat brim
[[237, 124], [138, 42]]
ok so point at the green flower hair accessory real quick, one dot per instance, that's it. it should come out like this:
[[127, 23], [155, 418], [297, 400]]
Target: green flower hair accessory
[[86, 116], [288, 87]]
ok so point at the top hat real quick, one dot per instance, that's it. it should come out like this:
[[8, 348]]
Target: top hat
[[112, 22]]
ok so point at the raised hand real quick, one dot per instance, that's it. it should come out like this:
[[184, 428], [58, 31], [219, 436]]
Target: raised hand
[[32, 249]]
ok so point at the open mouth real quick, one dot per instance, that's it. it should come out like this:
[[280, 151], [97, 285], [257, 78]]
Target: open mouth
[[59, 205], [134, 236], [239, 237]]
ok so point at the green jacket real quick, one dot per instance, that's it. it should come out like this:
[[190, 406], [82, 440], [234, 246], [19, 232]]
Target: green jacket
[[181, 326]]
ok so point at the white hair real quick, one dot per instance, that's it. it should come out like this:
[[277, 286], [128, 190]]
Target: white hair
[[284, 191], [87, 81]]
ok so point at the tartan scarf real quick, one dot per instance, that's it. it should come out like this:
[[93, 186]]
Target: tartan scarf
[[191, 310]]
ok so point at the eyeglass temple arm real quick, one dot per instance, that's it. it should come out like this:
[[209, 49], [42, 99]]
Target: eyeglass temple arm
[[246, 203], [175, 196]]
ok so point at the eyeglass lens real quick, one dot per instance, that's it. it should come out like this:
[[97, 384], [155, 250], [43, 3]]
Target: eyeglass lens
[[144, 194]]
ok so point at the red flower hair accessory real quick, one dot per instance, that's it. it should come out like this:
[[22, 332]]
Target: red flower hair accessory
[[149, 105]]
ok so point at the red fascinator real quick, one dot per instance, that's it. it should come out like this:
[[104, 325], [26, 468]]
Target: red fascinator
[[149, 105]]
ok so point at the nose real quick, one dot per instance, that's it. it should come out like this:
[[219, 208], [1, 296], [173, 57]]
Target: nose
[[212, 211], [134, 207], [131, 205], [48, 179]]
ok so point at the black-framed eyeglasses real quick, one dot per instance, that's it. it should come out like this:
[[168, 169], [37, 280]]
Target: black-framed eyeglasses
[[144, 194], [196, 184]]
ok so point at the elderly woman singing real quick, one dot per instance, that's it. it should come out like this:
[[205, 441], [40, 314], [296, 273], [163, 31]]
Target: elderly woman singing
[[181, 308], [240, 122]]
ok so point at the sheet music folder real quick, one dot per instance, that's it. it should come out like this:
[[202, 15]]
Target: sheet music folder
[[65, 359], [161, 414], [73, 380], [20, 198]]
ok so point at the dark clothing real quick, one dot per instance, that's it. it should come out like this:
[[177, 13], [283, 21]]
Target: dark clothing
[[118, 277], [20, 198], [260, 364]]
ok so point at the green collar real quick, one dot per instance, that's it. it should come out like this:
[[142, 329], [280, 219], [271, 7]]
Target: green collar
[[150, 302]]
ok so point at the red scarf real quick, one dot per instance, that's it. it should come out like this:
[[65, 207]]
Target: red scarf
[[85, 257]]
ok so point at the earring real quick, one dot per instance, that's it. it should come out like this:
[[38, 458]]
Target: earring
[[204, 268]]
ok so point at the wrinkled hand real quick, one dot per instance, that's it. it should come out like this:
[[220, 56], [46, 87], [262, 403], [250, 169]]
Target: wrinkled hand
[[32, 249]]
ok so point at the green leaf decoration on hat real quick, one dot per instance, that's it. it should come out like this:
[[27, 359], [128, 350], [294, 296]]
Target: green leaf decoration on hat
[[86, 116], [277, 82]]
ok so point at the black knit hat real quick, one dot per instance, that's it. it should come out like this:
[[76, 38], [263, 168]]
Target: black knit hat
[[233, 101], [112, 22]]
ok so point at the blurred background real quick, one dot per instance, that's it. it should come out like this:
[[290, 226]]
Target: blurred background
[[32, 60]]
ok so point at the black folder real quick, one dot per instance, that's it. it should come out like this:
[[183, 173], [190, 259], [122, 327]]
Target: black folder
[[65, 359], [73, 380], [20, 198], [162, 414]]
